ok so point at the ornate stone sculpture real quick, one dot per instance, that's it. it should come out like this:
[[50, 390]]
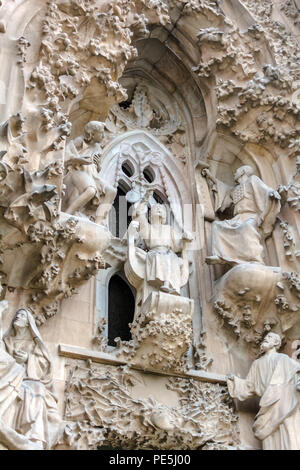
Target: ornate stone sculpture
[[275, 378], [163, 270], [27, 401], [239, 240], [201, 78], [87, 193], [241, 296], [11, 373], [161, 330], [100, 410]]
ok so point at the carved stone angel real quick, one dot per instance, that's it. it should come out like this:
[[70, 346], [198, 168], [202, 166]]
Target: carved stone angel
[[86, 192], [256, 205]]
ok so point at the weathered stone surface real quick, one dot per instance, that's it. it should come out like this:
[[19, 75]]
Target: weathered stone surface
[[156, 141]]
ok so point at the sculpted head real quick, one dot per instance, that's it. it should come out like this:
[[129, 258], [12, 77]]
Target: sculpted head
[[94, 131], [245, 170], [21, 318], [271, 340], [158, 214]]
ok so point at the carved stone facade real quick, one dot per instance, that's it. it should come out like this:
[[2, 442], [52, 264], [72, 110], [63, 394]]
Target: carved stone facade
[[149, 223]]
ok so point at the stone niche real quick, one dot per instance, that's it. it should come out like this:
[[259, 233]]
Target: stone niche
[[149, 223]]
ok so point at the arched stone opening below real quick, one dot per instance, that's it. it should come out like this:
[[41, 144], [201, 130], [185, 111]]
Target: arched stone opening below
[[121, 303]]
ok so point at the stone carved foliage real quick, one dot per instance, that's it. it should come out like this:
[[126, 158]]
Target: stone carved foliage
[[89, 43], [247, 79], [161, 333], [100, 339], [201, 360], [291, 251], [36, 233], [100, 411], [291, 10], [154, 111], [253, 300]]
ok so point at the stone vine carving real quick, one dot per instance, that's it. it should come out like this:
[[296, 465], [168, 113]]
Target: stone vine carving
[[74, 58], [244, 292], [100, 339], [100, 411], [261, 88], [161, 333], [201, 360], [291, 251], [56, 253]]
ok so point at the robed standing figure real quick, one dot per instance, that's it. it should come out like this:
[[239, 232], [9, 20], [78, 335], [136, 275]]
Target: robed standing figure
[[275, 378]]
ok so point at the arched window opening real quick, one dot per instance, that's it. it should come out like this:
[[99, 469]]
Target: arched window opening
[[149, 174], [121, 303], [128, 168], [158, 198]]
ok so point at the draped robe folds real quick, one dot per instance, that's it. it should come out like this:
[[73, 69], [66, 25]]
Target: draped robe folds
[[240, 239], [11, 376], [273, 378], [35, 412], [162, 263]]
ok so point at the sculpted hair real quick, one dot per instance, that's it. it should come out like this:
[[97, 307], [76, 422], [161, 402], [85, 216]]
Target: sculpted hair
[[93, 126]]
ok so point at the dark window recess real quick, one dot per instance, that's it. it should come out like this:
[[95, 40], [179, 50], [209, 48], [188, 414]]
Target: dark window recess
[[120, 309], [125, 104], [158, 198], [128, 169], [122, 214], [149, 174]]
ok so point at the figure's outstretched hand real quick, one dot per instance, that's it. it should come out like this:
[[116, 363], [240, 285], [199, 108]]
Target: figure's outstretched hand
[[97, 160]]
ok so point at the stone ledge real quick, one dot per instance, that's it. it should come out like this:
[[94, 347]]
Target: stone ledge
[[105, 358]]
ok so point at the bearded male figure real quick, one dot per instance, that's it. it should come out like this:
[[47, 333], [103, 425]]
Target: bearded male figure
[[256, 205], [275, 378]]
